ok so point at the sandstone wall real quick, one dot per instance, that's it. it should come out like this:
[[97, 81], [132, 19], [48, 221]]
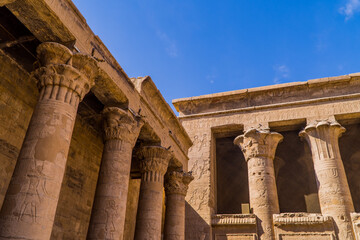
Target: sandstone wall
[[79, 184], [18, 96]]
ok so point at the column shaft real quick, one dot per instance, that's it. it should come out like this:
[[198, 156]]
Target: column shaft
[[259, 148], [334, 193], [109, 209], [31, 200], [176, 185], [153, 167]]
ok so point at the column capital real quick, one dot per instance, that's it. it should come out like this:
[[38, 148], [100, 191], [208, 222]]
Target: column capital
[[315, 129], [62, 72], [177, 182], [154, 159], [121, 124], [257, 142]]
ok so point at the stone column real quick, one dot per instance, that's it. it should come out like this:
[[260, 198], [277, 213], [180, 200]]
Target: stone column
[[31, 200], [259, 147], [334, 193], [108, 215], [154, 161], [176, 185]]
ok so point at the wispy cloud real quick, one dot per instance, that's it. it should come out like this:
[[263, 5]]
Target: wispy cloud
[[170, 45], [211, 78], [281, 72], [351, 7]]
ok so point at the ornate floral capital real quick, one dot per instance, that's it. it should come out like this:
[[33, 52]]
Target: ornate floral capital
[[323, 130], [154, 159], [258, 143], [322, 137], [177, 182], [121, 124], [62, 73]]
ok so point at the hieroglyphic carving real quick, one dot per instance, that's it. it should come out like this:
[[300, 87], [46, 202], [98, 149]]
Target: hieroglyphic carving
[[35, 190], [30, 205], [199, 198], [236, 236], [334, 193], [199, 142], [300, 219], [233, 219], [121, 131], [355, 218], [259, 146], [306, 236]]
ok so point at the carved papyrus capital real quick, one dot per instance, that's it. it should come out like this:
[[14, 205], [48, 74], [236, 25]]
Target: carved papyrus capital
[[177, 182], [322, 137], [154, 159], [63, 75], [258, 143], [121, 124]]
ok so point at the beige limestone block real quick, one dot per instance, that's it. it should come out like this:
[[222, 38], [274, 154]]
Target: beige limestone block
[[259, 147], [154, 161], [30, 204], [334, 193], [108, 216], [176, 186]]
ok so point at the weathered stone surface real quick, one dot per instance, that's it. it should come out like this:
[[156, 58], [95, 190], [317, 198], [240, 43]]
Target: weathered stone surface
[[153, 165], [30, 203], [108, 216], [259, 146], [64, 75], [176, 186], [285, 108], [334, 193]]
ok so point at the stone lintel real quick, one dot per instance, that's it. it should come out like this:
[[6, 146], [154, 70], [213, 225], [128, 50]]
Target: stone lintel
[[300, 219], [233, 219], [269, 96]]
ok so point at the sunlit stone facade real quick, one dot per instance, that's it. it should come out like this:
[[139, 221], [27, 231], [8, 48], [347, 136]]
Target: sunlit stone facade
[[89, 153]]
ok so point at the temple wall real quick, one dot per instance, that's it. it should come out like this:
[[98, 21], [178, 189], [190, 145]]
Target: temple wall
[[18, 96], [79, 184]]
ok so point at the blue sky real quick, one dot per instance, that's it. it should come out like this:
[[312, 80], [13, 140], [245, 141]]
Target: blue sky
[[196, 47]]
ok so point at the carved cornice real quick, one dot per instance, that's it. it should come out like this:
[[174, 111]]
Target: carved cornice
[[300, 219], [269, 97], [233, 219], [177, 182], [64, 71], [154, 159], [258, 143], [121, 124]]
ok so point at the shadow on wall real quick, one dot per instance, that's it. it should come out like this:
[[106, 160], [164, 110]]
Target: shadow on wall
[[295, 175], [195, 227], [349, 145]]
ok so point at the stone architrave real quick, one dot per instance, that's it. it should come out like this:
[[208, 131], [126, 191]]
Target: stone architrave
[[259, 147], [30, 204], [109, 209], [334, 193], [154, 161], [176, 186]]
